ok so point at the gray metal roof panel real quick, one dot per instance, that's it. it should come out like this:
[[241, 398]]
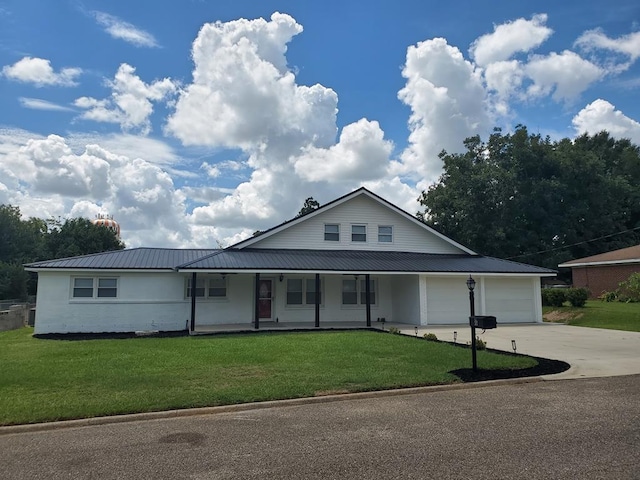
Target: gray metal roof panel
[[349, 260], [128, 259]]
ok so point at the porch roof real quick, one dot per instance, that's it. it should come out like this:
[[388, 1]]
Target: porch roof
[[287, 260]]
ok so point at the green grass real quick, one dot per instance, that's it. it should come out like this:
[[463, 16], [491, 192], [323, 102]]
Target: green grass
[[612, 315], [46, 380]]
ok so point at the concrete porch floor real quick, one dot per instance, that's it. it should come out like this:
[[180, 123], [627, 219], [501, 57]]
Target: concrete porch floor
[[285, 326]]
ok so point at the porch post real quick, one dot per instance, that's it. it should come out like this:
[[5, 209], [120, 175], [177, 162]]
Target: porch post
[[367, 290], [194, 277], [317, 299], [257, 294]]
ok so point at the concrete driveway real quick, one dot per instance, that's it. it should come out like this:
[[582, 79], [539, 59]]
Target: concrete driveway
[[591, 352]]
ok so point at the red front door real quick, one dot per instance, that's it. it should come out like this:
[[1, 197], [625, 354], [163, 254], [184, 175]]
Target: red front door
[[265, 299]]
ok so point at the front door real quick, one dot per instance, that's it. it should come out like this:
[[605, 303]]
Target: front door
[[265, 300]]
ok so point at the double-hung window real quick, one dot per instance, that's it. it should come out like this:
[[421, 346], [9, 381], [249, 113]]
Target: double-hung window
[[385, 234], [95, 287], [212, 287], [358, 233], [302, 291], [354, 292], [332, 232], [217, 287]]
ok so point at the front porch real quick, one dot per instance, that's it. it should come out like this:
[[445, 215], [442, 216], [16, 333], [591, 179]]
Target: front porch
[[271, 326]]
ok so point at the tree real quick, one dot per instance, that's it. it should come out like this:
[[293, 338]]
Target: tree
[[309, 206], [79, 236], [525, 197]]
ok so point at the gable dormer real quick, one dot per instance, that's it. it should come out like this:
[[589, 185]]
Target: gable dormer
[[360, 220]]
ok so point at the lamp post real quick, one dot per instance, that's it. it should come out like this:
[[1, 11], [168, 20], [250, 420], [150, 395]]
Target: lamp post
[[471, 284]]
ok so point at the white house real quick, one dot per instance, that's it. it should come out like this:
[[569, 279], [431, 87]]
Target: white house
[[352, 261]]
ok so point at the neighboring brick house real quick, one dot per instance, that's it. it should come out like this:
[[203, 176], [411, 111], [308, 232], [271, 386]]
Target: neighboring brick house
[[603, 273]]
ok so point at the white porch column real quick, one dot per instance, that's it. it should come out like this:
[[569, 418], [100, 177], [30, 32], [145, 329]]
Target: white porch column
[[537, 299], [483, 298], [422, 289]]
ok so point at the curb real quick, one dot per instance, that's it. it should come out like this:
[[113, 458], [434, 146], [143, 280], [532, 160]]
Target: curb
[[243, 407]]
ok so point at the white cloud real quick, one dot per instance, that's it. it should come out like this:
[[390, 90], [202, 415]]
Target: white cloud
[[596, 39], [567, 75], [361, 154], [122, 30], [39, 72], [448, 104], [521, 35], [602, 115], [130, 104], [40, 104]]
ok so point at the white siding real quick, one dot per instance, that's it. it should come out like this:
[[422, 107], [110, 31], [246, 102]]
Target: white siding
[[146, 301], [361, 210], [237, 307], [511, 300], [406, 299]]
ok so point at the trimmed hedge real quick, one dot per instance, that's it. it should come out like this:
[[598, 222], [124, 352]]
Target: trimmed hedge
[[555, 297]]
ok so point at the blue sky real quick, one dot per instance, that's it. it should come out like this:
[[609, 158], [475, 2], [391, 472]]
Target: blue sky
[[197, 122]]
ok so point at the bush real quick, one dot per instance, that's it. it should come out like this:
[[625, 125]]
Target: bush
[[480, 344], [553, 297], [431, 337], [577, 297], [630, 289], [608, 296], [394, 330]]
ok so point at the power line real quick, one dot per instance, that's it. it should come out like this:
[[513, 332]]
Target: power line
[[574, 244]]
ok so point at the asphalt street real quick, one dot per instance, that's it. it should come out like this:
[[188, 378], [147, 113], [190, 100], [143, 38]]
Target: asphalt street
[[566, 429]]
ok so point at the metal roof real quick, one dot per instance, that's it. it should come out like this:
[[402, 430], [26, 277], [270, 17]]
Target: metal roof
[[128, 259], [284, 260], [251, 259]]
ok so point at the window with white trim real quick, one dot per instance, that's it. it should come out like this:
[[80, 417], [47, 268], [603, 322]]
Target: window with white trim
[[358, 233], [385, 233], [354, 292], [302, 291], [95, 287], [212, 287], [332, 232]]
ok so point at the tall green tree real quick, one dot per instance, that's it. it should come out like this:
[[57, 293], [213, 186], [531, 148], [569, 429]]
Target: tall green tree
[[539, 201], [310, 204], [79, 236]]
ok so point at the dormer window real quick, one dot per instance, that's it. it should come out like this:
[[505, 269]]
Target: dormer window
[[358, 233], [332, 232]]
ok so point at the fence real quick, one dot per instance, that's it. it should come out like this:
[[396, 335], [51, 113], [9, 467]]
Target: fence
[[16, 315]]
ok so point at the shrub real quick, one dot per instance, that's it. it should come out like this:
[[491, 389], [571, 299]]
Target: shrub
[[553, 297], [431, 337], [630, 289], [394, 330], [577, 297], [480, 344], [608, 296]]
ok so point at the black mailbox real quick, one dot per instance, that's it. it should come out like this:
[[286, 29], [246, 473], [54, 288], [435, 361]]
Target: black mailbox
[[483, 321]]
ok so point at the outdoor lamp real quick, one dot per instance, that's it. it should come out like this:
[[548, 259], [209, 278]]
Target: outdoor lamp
[[416, 329], [513, 345], [281, 277], [471, 283]]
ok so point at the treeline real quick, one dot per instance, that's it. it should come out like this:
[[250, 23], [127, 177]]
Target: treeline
[[527, 198], [24, 241]]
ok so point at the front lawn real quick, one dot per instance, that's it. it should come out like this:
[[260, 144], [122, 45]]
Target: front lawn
[[613, 315], [45, 380]]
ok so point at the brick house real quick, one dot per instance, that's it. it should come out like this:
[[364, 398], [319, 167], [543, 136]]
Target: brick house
[[602, 273]]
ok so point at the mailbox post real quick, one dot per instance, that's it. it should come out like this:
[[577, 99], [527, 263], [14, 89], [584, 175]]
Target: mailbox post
[[471, 284], [484, 322]]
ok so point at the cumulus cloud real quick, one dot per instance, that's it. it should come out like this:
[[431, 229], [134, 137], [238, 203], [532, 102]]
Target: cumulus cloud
[[130, 104], [521, 35], [628, 45], [361, 154], [565, 76], [602, 115], [447, 99], [39, 72], [122, 30]]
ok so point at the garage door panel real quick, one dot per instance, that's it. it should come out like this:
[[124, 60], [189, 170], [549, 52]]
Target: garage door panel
[[510, 300]]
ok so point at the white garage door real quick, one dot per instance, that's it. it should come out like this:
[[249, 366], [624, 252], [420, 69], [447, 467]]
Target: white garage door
[[448, 301], [511, 300]]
